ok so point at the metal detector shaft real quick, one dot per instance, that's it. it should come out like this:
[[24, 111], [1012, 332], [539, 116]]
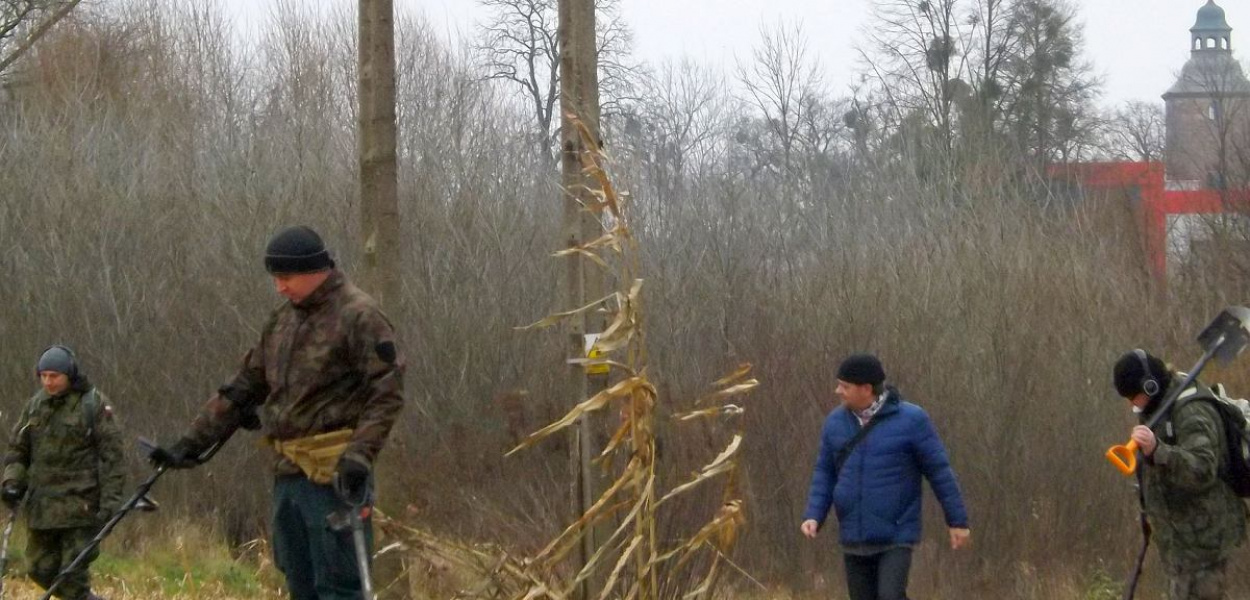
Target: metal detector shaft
[[1124, 456], [362, 551], [126, 508], [4, 548], [104, 532]]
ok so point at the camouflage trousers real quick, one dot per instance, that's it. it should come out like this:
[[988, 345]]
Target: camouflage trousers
[[1207, 583], [50, 550], [318, 562]]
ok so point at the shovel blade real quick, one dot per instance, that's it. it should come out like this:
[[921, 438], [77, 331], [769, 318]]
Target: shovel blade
[[1228, 334]]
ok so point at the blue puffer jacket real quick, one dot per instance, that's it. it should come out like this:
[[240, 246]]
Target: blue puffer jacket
[[877, 494]]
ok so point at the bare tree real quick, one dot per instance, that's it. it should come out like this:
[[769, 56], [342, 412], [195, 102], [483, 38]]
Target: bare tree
[[27, 21], [673, 131], [1049, 87], [918, 50], [1135, 132], [520, 47], [783, 84]]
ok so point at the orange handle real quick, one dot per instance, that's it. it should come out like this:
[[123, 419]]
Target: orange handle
[[1124, 457]]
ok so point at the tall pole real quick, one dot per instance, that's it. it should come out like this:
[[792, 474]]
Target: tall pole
[[379, 185], [579, 97]]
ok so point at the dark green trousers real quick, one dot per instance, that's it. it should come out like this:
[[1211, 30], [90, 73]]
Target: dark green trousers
[[319, 563], [50, 550]]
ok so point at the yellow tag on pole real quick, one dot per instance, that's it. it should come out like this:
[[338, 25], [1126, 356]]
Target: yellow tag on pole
[[593, 353]]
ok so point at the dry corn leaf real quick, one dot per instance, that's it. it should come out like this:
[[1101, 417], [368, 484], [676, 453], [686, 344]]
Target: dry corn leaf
[[598, 401], [591, 512], [618, 438], [739, 373], [612, 540], [554, 318], [591, 256], [723, 526], [626, 556], [733, 390], [722, 464], [619, 332], [591, 163], [610, 239], [704, 586], [715, 411], [536, 592]]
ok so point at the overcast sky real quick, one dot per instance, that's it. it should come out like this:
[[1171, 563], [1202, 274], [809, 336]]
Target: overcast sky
[[1137, 46]]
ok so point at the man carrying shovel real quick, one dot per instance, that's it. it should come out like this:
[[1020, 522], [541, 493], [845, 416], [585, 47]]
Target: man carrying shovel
[[1183, 452], [1193, 514]]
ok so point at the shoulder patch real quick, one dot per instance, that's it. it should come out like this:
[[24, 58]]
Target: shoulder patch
[[107, 411], [386, 351]]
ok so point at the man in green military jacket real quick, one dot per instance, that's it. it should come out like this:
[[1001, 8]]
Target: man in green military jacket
[[326, 381], [1194, 515], [64, 467]]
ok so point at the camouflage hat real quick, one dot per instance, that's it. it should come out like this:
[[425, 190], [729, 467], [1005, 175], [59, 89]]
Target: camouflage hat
[[58, 359]]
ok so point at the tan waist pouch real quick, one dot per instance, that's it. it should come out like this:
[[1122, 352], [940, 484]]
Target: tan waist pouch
[[316, 455]]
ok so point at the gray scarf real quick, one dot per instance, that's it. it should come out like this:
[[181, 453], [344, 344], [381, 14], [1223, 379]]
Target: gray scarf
[[865, 415]]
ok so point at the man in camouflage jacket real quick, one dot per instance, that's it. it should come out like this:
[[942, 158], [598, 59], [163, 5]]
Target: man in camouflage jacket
[[326, 362], [64, 467], [1194, 515]]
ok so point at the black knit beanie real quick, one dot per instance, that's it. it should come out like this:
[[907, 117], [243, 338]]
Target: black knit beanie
[[1131, 373], [296, 250], [861, 369]]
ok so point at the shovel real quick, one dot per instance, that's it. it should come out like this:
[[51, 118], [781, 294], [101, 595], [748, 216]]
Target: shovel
[[1222, 340]]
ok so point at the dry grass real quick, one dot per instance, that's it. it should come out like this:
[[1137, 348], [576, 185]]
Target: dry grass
[[177, 560]]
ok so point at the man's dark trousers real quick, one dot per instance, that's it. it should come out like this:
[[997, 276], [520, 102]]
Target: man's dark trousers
[[880, 576], [318, 562]]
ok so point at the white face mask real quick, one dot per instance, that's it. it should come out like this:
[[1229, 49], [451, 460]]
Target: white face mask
[[1137, 410]]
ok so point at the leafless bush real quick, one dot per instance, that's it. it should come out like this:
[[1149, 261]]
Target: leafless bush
[[146, 163]]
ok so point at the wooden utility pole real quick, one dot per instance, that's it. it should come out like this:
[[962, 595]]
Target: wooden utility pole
[[379, 184], [579, 97]]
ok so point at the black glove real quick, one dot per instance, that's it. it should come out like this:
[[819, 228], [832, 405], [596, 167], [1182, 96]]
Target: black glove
[[180, 455], [12, 493], [351, 480]]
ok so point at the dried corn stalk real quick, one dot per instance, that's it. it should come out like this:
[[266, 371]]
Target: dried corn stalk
[[631, 555]]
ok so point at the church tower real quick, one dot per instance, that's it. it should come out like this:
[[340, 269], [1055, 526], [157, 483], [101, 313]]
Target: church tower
[[1208, 109]]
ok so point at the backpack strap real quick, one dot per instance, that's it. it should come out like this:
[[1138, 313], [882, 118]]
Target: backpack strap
[[845, 452], [31, 406], [1195, 391], [90, 407], [90, 401]]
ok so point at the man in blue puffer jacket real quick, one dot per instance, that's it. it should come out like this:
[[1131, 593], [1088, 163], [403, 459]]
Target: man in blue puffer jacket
[[872, 479]]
